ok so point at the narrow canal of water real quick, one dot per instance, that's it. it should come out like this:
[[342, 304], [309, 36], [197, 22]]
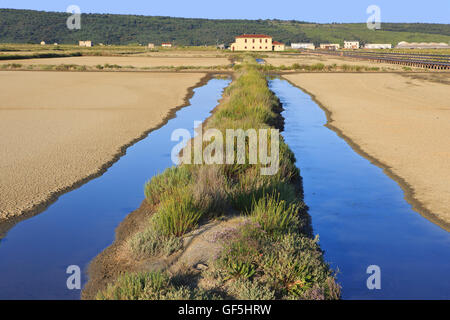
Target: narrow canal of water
[[360, 213], [34, 255]]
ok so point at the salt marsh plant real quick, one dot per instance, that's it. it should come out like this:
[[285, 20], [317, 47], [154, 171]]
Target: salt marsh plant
[[164, 184], [274, 215], [178, 213]]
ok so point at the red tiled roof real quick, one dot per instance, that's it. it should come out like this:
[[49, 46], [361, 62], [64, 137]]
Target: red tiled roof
[[253, 36], [276, 42]]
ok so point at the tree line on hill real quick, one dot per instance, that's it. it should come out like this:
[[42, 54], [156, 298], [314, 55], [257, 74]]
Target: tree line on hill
[[29, 26]]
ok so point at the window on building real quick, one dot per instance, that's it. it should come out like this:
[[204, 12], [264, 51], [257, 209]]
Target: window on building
[[260, 40], [253, 40], [245, 40], [253, 47], [266, 40], [260, 47], [245, 47]]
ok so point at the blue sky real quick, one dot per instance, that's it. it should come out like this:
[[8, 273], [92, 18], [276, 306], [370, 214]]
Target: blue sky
[[432, 11]]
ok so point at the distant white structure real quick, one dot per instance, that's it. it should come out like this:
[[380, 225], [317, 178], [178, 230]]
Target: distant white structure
[[151, 46], [378, 46], [309, 46], [422, 45], [42, 43], [55, 44], [330, 46], [166, 45], [351, 44], [87, 43]]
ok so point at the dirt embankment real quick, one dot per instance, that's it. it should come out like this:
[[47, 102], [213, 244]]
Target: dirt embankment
[[309, 59], [401, 122], [58, 129]]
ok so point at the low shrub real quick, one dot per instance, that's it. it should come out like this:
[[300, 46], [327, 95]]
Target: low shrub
[[274, 215], [210, 189], [164, 184], [136, 286], [244, 289], [293, 265], [317, 67], [256, 264], [148, 286], [238, 257], [178, 213], [112, 66], [150, 242]]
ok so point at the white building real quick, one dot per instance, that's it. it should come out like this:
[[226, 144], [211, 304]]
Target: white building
[[166, 45], [422, 45], [378, 46], [351, 44], [87, 43], [309, 46], [330, 46]]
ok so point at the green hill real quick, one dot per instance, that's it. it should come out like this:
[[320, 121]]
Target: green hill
[[27, 26]]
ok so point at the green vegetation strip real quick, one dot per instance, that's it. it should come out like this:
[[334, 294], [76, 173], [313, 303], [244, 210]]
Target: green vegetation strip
[[38, 56], [318, 67], [270, 255]]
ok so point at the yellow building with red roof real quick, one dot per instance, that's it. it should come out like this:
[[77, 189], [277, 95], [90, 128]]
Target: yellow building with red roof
[[255, 42]]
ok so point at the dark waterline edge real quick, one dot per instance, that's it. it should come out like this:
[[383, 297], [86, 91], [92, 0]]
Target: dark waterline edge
[[408, 191], [7, 224]]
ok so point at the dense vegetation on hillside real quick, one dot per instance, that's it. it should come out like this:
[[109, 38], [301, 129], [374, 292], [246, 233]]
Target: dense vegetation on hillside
[[27, 26]]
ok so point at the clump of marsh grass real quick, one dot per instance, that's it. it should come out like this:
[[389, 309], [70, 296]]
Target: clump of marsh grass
[[244, 289], [210, 189], [149, 286], [165, 183], [178, 213], [274, 215], [151, 242]]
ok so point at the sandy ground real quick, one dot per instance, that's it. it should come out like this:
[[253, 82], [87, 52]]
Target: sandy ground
[[402, 121], [58, 128], [288, 60], [139, 62], [186, 53]]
